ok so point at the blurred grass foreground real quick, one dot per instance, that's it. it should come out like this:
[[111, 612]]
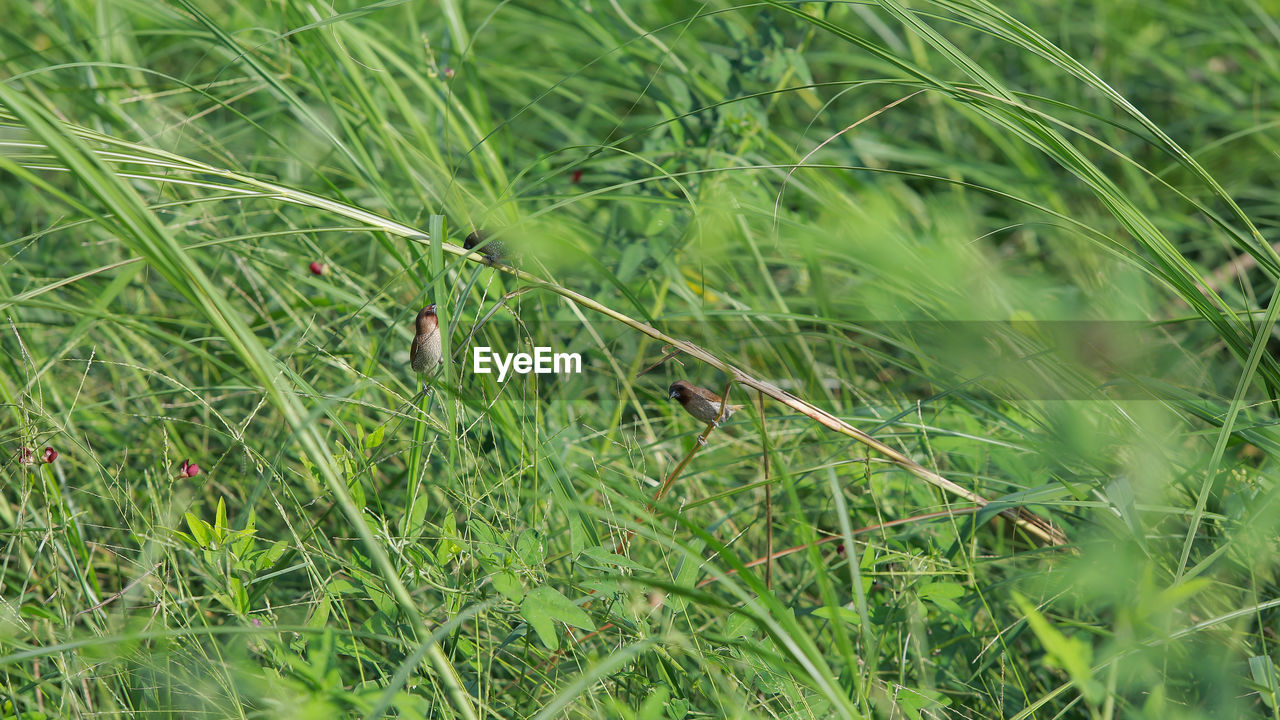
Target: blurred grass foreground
[[995, 284]]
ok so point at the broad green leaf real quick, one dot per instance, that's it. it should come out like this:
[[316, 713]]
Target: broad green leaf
[[200, 530], [605, 557], [842, 614], [37, 610], [939, 590], [357, 489], [343, 587], [562, 608], [535, 613], [509, 585], [943, 594], [220, 522], [530, 548], [1264, 674], [739, 625], [543, 605], [602, 586]]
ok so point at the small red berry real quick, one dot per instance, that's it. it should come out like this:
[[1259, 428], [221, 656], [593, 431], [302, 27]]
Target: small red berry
[[49, 455], [318, 268], [189, 469], [577, 175]]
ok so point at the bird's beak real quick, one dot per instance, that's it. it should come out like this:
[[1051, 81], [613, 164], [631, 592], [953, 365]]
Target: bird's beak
[[431, 307], [672, 395]]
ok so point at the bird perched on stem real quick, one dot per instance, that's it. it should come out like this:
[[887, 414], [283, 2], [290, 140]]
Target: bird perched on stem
[[425, 352], [700, 402], [492, 250]]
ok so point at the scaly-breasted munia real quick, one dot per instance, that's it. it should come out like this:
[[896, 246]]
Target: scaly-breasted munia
[[700, 402], [493, 250], [425, 352]]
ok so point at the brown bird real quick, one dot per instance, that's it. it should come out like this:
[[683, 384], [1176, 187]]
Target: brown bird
[[492, 250], [700, 402], [425, 352]]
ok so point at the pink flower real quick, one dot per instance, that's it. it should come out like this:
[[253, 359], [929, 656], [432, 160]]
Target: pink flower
[[49, 455], [318, 268], [188, 469]]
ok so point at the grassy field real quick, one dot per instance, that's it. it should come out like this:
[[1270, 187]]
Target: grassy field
[[994, 283]]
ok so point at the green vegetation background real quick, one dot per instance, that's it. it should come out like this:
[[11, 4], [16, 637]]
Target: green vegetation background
[[1028, 246]]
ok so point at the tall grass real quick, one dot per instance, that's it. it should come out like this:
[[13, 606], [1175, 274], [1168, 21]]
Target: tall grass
[[995, 283]]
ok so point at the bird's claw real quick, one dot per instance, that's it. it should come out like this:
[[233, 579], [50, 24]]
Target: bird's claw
[[702, 441]]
